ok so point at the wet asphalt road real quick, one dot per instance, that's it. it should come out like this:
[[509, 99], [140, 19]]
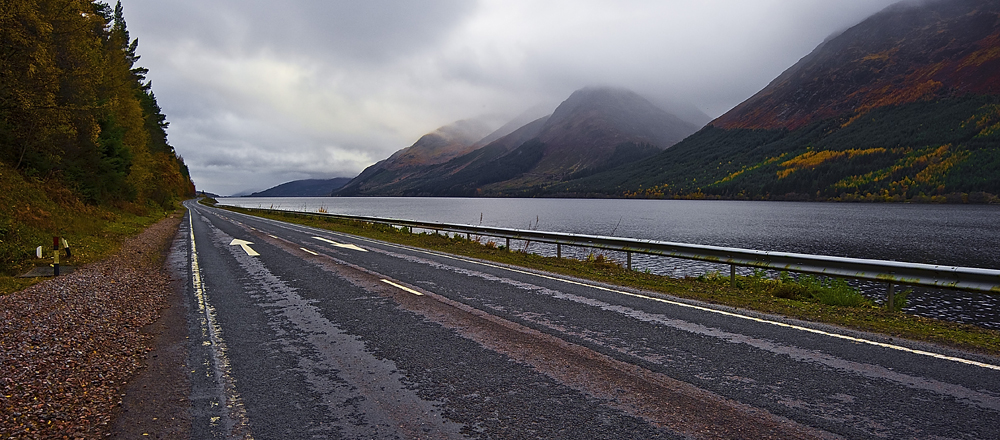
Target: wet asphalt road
[[324, 335]]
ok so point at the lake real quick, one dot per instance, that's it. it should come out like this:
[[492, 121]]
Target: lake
[[954, 235]]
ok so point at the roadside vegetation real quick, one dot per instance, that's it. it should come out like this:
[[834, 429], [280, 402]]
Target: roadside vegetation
[[809, 298], [37, 211], [83, 144]]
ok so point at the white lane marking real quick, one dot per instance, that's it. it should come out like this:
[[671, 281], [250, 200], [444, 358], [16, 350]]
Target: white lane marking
[[245, 245], [341, 245], [402, 287], [273, 236], [309, 251], [676, 303]]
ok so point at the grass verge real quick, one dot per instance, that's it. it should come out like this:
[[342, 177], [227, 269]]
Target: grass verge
[[93, 243], [38, 210], [806, 298]]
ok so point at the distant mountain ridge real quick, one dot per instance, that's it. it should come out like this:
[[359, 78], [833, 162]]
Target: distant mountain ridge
[[591, 129], [304, 188], [904, 106]]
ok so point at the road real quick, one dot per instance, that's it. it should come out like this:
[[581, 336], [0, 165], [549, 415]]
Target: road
[[302, 333]]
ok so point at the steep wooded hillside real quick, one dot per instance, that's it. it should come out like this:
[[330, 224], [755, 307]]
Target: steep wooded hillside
[[902, 107], [82, 137], [909, 52], [76, 110]]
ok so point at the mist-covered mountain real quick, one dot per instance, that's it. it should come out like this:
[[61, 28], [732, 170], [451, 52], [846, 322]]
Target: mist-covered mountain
[[589, 127], [594, 129], [902, 106], [304, 188], [433, 148]]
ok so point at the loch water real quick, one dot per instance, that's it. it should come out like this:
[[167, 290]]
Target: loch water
[[953, 235]]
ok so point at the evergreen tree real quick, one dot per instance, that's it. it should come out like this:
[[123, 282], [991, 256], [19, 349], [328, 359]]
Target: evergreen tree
[[75, 108]]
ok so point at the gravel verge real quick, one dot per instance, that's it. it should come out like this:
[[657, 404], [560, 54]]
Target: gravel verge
[[70, 346]]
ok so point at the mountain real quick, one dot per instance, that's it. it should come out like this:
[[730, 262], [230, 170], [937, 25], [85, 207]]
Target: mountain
[[438, 146], [304, 188], [906, 53], [526, 117], [585, 130], [594, 129], [904, 106]]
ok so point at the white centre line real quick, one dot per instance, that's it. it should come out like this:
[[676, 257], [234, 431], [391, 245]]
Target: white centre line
[[402, 287], [309, 251]]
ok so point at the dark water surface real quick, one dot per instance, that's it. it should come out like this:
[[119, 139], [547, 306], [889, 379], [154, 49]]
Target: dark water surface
[[955, 235]]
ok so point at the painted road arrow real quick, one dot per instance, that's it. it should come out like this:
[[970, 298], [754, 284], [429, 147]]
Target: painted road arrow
[[245, 245], [341, 245]]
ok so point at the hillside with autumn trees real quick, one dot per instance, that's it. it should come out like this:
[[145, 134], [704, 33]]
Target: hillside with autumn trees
[[904, 106], [82, 139]]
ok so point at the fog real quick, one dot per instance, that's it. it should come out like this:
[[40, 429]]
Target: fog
[[259, 93]]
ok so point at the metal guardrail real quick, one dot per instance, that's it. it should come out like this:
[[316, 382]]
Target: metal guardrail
[[889, 272]]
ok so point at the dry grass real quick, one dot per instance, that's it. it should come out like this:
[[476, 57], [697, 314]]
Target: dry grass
[[36, 210]]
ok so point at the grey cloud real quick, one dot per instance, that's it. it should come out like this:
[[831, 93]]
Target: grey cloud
[[363, 31], [260, 91]]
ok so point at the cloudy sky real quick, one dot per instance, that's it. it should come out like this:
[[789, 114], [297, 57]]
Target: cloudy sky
[[259, 93]]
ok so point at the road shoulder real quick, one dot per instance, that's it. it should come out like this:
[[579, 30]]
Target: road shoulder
[[156, 403]]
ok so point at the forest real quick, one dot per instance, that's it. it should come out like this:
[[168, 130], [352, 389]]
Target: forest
[[81, 133]]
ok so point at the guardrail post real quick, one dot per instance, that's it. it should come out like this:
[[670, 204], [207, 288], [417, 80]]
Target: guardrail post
[[558, 250], [890, 298], [508, 244], [629, 258], [732, 275]]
